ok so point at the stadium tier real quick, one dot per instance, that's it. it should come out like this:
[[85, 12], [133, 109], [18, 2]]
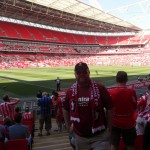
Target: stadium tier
[[22, 32], [26, 47]]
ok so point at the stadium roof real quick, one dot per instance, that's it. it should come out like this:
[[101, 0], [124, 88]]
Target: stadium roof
[[66, 14]]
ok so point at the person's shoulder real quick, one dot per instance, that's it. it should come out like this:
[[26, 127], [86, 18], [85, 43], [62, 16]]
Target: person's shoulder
[[100, 85], [2, 103], [70, 88], [131, 90], [12, 127], [24, 126]]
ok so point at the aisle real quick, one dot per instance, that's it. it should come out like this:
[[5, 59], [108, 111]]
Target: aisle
[[55, 141]]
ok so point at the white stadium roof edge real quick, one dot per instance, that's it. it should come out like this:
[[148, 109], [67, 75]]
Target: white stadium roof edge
[[100, 22], [78, 8]]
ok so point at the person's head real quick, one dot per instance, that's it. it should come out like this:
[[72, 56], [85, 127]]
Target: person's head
[[148, 87], [18, 118], [17, 109], [26, 109], [141, 94], [7, 122], [6, 98], [45, 94], [142, 102], [121, 77], [82, 73], [39, 94], [55, 95]]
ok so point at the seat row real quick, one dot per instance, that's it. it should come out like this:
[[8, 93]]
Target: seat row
[[18, 144]]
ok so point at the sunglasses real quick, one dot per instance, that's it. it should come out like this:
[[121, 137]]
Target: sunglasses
[[81, 72]]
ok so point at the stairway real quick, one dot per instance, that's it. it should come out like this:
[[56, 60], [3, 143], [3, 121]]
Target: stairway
[[55, 141]]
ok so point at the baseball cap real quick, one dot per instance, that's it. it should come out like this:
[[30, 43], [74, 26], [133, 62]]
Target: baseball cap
[[81, 65]]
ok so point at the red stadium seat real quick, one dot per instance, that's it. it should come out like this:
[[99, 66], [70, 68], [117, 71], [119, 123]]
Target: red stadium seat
[[29, 124], [122, 145], [1, 122], [139, 142], [18, 144], [1, 146]]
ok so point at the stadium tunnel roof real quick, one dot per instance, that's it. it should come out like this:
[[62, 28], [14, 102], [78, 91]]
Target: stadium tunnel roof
[[66, 14]]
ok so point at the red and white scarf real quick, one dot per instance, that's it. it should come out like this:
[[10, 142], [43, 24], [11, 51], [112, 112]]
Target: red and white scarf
[[96, 106]]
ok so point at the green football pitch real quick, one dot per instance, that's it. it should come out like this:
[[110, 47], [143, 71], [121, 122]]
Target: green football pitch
[[25, 83]]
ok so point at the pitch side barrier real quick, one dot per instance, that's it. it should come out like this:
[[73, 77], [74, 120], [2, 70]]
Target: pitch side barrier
[[134, 85]]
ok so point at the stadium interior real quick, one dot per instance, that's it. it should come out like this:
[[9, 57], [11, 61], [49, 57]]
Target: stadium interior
[[35, 34]]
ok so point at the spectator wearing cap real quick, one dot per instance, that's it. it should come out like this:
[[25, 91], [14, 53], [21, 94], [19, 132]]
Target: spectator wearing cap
[[124, 107], [45, 113], [84, 107], [7, 108]]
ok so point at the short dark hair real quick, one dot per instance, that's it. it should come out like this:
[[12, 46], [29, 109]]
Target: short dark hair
[[55, 93], [7, 122], [17, 118], [39, 94], [121, 77], [17, 109], [27, 109], [5, 97]]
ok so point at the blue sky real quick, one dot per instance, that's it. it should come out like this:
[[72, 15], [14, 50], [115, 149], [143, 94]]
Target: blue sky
[[136, 12]]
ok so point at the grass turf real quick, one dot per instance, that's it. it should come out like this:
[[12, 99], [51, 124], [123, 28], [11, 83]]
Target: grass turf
[[24, 83]]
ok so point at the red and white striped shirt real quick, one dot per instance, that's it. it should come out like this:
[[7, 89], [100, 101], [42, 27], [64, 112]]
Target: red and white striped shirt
[[27, 116], [7, 108]]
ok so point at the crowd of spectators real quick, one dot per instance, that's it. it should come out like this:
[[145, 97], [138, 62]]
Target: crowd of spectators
[[13, 123], [45, 60]]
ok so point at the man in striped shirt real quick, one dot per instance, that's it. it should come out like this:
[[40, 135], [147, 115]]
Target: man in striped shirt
[[7, 107]]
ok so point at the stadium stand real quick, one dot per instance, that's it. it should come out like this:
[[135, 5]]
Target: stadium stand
[[25, 46]]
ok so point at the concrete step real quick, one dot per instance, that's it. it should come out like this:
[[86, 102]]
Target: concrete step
[[55, 141]]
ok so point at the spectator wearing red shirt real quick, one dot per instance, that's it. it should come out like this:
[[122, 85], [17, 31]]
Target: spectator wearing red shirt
[[7, 108], [144, 118], [17, 110], [148, 93], [57, 105], [124, 106], [27, 115], [84, 106]]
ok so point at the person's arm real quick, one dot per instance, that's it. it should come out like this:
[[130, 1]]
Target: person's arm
[[67, 119], [66, 111], [107, 102], [109, 119], [39, 101], [14, 101]]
